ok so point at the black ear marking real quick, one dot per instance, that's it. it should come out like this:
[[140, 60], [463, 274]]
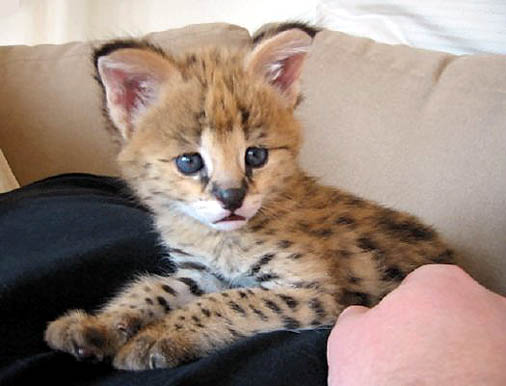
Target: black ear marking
[[272, 29], [118, 44]]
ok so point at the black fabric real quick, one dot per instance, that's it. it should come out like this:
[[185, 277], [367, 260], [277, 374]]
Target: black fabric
[[70, 242]]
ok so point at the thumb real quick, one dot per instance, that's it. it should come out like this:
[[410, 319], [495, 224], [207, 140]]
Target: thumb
[[351, 313], [337, 349]]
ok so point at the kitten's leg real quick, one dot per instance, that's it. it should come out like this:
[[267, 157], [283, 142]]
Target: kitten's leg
[[149, 298], [216, 320]]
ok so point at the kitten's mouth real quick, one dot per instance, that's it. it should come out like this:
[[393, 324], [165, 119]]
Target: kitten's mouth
[[231, 217]]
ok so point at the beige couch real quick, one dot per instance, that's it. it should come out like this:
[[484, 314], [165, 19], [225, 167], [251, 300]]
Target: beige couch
[[416, 130]]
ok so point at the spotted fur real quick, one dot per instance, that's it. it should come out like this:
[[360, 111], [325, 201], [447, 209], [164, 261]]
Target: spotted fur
[[304, 251]]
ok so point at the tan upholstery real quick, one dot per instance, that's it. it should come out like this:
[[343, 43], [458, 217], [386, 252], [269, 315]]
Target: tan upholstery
[[416, 130]]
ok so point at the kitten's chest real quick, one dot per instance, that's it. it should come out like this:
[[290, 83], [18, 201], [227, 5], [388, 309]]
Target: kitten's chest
[[230, 255]]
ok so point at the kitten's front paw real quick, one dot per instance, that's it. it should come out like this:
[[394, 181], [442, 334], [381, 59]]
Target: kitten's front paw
[[153, 349], [89, 337]]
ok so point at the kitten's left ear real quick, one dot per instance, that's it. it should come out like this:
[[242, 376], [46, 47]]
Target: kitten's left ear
[[279, 60]]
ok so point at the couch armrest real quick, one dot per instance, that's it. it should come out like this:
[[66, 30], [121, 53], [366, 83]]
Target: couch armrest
[[7, 180]]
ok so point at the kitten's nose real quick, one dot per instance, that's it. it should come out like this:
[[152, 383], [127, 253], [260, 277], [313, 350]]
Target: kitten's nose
[[230, 198]]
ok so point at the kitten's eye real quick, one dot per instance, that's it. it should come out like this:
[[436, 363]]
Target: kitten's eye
[[189, 163], [256, 157]]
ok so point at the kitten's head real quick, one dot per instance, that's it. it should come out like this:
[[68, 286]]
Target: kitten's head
[[209, 134]]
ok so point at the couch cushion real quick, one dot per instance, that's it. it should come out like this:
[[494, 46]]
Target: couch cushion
[[50, 106], [417, 130]]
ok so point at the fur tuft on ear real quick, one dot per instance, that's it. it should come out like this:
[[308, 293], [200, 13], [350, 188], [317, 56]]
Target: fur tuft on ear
[[132, 75], [279, 60]]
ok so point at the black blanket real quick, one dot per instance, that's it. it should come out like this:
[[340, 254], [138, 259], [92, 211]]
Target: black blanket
[[70, 242]]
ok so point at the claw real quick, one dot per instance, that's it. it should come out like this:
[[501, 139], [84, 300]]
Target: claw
[[82, 353], [87, 355], [129, 327], [157, 361]]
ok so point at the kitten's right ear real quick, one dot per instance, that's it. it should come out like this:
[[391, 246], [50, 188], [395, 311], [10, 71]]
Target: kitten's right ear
[[132, 75]]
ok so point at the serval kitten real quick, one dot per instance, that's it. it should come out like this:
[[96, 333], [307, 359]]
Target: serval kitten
[[209, 143]]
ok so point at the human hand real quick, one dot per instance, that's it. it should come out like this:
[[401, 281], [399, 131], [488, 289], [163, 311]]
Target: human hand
[[439, 327]]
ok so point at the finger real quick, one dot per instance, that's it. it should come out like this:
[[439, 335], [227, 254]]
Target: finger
[[351, 313]]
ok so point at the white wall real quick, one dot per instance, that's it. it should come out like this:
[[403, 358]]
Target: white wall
[[58, 21]]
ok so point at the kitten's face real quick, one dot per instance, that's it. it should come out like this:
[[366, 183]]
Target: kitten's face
[[210, 135], [213, 153]]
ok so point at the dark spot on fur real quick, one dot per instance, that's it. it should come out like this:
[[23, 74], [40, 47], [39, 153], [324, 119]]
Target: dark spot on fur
[[258, 226], [148, 300], [304, 226], [340, 254], [393, 273], [354, 279], [224, 294], [191, 265], [344, 220], [192, 285], [289, 300], [290, 323], [295, 256], [191, 59], [272, 306], [366, 244], [285, 244], [244, 115], [243, 294], [169, 289], [265, 259], [306, 284], [355, 202], [349, 298], [163, 302], [406, 230], [445, 257], [197, 322], [178, 326], [323, 233], [259, 313], [206, 312], [317, 307], [267, 277], [270, 232], [236, 308]]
